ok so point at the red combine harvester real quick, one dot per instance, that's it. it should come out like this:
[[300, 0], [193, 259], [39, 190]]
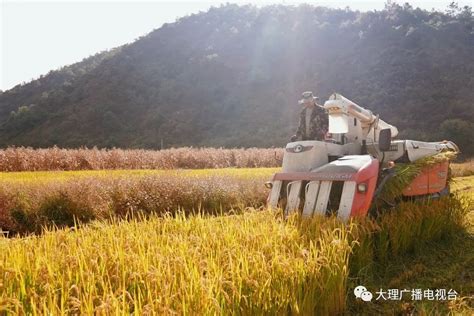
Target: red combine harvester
[[345, 172]]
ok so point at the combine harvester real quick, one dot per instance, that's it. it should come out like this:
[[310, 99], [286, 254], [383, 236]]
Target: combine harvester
[[347, 171]]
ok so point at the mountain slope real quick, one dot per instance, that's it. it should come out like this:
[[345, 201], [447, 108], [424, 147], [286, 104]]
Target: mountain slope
[[231, 77]]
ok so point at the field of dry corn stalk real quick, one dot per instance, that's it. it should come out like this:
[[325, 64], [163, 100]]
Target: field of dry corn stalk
[[14, 159], [28, 159]]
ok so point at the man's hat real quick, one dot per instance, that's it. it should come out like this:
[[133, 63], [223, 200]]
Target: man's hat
[[308, 96]]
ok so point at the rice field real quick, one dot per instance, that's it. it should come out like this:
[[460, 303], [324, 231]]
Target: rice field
[[247, 263], [463, 169], [253, 264], [463, 185], [148, 242], [31, 200], [62, 176]]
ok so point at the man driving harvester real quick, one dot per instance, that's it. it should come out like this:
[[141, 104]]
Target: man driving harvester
[[313, 119]]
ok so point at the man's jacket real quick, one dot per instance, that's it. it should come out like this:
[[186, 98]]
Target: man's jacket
[[318, 125]]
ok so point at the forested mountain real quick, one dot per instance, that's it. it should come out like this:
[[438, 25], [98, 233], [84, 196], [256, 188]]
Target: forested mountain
[[232, 77]]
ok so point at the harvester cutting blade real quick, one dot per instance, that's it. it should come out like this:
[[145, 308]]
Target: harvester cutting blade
[[275, 194], [311, 193], [347, 198], [323, 198], [293, 200]]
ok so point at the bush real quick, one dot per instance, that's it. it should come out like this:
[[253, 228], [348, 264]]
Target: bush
[[62, 210]]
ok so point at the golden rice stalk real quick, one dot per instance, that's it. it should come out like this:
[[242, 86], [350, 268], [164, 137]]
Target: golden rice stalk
[[405, 173]]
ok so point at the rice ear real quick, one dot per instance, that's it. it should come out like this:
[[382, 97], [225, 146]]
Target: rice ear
[[405, 173]]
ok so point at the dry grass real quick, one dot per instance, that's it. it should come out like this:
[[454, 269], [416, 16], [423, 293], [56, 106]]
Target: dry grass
[[28, 159]]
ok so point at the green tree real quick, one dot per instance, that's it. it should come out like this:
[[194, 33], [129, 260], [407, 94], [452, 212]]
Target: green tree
[[460, 132]]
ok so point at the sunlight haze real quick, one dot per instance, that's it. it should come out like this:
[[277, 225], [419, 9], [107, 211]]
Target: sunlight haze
[[38, 36]]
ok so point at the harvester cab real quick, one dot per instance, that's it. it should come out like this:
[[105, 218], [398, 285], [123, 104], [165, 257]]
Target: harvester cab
[[342, 174]]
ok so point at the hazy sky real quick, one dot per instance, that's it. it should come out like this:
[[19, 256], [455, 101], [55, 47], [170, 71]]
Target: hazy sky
[[38, 36]]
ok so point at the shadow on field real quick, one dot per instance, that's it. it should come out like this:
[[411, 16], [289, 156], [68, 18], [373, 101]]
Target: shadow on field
[[445, 264]]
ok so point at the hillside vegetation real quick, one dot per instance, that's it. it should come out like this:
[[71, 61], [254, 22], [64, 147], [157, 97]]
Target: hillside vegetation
[[231, 77]]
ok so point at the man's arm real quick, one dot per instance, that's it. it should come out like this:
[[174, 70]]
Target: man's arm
[[319, 126], [324, 122], [299, 131]]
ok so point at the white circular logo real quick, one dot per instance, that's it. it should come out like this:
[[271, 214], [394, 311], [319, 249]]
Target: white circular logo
[[366, 296], [362, 293], [359, 290], [298, 148]]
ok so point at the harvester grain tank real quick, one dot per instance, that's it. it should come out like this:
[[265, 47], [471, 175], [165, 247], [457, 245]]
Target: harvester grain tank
[[343, 173]]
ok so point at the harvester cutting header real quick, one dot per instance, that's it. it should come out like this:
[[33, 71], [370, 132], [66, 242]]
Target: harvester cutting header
[[348, 168]]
